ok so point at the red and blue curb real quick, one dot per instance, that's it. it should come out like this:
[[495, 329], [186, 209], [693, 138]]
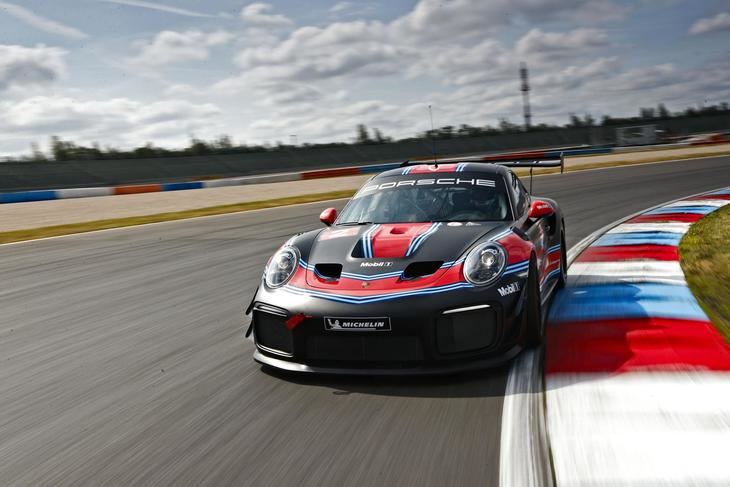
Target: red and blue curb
[[637, 379], [627, 305]]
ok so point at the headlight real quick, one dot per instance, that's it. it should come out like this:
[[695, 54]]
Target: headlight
[[282, 266], [485, 263]]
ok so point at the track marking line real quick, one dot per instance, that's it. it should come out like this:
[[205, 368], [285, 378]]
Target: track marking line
[[524, 456], [133, 227]]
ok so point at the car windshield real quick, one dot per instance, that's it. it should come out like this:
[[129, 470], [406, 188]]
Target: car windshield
[[426, 201]]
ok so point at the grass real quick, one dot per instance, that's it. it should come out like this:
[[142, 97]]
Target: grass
[[57, 230], [71, 228], [705, 259]]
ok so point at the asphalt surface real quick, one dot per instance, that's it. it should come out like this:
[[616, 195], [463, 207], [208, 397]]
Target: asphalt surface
[[123, 360]]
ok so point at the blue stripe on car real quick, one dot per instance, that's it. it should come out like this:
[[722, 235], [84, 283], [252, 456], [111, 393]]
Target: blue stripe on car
[[418, 241], [377, 298], [515, 268]]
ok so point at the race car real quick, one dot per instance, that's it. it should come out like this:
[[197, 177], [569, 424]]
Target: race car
[[430, 268]]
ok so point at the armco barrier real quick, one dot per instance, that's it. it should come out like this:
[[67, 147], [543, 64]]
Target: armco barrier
[[42, 195], [39, 175], [54, 194]]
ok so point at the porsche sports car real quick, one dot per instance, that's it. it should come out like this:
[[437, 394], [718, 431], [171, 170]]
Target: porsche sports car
[[430, 268]]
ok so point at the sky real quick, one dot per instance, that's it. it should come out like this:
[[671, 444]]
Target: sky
[[124, 73]]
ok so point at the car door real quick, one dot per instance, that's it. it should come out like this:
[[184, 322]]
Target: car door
[[537, 230]]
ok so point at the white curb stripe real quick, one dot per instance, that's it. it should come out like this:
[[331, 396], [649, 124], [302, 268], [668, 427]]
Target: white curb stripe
[[691, 202], [672, 227], [626, 271], [639, 429], [83, 192], [524, 458]]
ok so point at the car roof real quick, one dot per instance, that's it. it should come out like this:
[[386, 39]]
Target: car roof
[[426, 168]]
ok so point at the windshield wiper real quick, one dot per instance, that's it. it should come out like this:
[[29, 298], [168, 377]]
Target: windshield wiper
[[354, 223]]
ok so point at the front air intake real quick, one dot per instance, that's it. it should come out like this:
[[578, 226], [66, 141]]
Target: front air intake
[[469, 329], [421, 269], [271, 332], [330, 272]]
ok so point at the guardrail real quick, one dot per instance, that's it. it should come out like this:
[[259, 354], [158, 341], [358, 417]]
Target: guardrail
[[66, 193]]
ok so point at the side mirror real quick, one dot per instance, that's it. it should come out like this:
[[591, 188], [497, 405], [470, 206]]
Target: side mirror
[[540, 209], [328, 216]]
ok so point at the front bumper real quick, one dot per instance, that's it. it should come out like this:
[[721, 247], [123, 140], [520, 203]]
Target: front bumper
[[453, 332], [438, 369]]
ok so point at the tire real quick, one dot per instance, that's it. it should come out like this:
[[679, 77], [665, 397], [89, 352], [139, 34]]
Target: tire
[[533, 309], [563, 262]]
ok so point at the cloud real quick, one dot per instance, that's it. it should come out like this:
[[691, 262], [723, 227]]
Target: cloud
[[600, 86], [289, 94], [340, 7], [21, 67], [719, 22], [435, 37], [120, 122], [170, 47], [350, 9], [258, 14], [557, 44], [41, 23], [572, 77], [466, 18], [339, 123], [313, 53], [159, 7], [319, 82]]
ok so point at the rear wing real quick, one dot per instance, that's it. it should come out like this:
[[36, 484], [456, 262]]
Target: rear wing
[[526, 160], [523, 159]]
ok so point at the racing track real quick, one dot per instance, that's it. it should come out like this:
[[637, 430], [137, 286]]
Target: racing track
[[123, 360]]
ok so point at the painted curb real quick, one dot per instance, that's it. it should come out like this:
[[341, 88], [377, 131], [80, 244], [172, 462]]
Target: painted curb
[[634, 370]]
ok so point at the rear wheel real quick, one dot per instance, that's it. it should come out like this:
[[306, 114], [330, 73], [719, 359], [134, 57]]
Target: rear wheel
[[533, 309]]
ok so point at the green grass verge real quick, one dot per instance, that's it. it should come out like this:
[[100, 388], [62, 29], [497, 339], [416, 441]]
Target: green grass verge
[[705, 259], [71, 228], [57, 230]]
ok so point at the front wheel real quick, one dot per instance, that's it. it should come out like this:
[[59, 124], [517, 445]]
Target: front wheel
[[533, 309]]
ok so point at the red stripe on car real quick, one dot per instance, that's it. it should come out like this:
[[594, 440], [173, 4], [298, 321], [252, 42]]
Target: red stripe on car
[[517, 249], [431, 168], [393, 240]]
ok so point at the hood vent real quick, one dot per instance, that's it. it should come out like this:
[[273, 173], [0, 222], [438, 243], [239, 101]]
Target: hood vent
[[330, 272], [421, 269]]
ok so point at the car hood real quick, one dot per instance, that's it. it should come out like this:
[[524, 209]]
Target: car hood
[[370, 252]]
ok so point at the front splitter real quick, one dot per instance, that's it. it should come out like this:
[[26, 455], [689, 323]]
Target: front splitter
[[435, 370]]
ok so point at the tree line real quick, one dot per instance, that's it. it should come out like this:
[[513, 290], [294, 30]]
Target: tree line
[[64, 150]]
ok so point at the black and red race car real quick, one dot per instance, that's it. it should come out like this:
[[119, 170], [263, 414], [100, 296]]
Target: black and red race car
[[430, 268]]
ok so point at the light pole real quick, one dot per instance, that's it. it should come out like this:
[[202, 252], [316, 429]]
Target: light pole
[[525, 95]]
